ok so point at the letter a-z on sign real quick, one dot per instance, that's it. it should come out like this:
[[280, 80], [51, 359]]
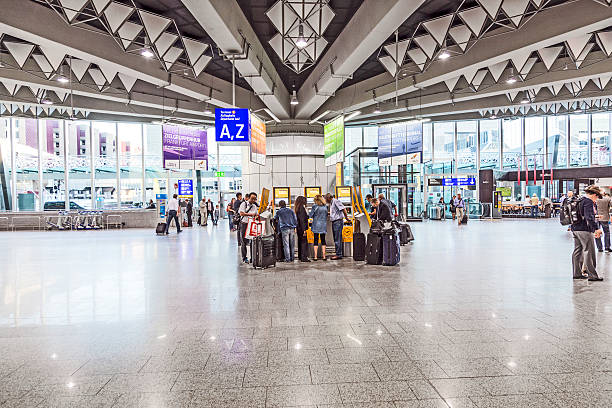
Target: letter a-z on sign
[[232, 126]]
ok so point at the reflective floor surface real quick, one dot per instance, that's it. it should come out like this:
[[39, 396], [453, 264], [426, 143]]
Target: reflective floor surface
[[482, 315]]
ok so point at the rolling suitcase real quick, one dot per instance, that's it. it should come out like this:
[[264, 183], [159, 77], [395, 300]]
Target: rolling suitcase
[[405, 234], [359, 247], [374, 249], [161, 228], [464, 220], [263, 252], [391, 248]]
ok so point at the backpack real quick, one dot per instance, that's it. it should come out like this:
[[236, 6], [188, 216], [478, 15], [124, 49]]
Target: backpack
[[571, 211]]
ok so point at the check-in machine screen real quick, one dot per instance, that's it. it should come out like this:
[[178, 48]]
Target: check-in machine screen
[[310, 193], [344, 194], [282, 194]]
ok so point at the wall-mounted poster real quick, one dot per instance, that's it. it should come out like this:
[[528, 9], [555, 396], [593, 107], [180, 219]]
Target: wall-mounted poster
[[334, 141], [258, 141], [400, 143], [184, 148]]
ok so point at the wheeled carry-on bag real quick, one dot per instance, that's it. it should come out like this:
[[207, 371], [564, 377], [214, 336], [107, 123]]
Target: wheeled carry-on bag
[[161, 228], [374, 249], [464, 220], [405, 233], [359, 246], [391, 248], [264, 252]]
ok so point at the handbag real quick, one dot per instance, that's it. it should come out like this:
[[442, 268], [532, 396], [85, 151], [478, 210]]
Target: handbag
[[255, 228]]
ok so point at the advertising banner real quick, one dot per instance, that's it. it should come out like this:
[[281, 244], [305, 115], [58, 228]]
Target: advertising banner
[[334, 141], [232, 126], [399, 144], [183, 147], [258, 141]]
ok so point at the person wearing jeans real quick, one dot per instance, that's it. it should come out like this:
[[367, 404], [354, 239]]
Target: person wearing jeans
[[337, 212], [174, 210], [583, 231], [287, 222], [247, 209], [603, 216], [459, 208]]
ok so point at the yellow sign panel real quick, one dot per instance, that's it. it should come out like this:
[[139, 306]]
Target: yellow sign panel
[[265, 200], [339, 171], [347, 233]]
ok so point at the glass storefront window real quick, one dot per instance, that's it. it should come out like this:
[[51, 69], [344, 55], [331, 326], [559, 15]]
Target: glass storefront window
[[352, 139], [130, 164], [444, 142], [600, 139], [79, 163], [155, 175], [489, 144], [28, 188], [467, 139], [534, 141], [5, 165], [52, 162], [557, 141], [104, 137], [579, 140], [512, 143], [370, 136], [427, 148]]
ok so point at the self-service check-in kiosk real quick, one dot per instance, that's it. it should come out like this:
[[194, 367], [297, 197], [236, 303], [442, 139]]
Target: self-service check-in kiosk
[[281, 194], [310, 193], [345, 195]]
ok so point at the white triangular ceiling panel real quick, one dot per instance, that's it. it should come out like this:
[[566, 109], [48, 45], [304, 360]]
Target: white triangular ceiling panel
[[537, 3], [402, 46], [44, 65], [577, 44], [116, 14], [498, 69], [474, 18], [72, 7], [389, 64], [100, 5], [97, 77], [512, 95], [469, 76], [19, 51], [154, 24], [584, 54], [549, 55], [478, 78], [555, 88], [461, 34], [427, 44], [35, 90], [61, 95], [491, 7], [275, 14], [127, 81], [79, 68], [11, 87], [604, 39], [171, 56], [528, 67], [452, 83], [603, 81], [194, 49], [418, 57], [201, 64], [515, 9], [54, 54], [164, 42], [519, 59], [108, 71], [128, 32], [438, 28]]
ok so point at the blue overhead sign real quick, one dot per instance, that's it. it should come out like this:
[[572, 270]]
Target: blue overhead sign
[[185, 188], [232, 126], [462, 181]]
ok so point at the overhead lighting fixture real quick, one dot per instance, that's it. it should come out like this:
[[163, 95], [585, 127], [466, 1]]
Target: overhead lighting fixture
[[47, 101], [493, 117], [62, 79], [511, 80], [444, 55], [524, 100], [318, 118], [301, 41], [351, 115], [147, 53], [377, 110], [294, 99]]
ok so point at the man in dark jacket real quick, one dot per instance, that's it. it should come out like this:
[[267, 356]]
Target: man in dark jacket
[[189, 213], [237, 204], [584, 230]]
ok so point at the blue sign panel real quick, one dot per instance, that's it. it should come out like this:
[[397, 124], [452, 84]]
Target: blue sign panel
[[185, 188], [232, 126], [399, 143], [414, 137], [463, 181]]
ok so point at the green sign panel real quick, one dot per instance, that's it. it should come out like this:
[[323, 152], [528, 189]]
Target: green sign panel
[[220, 174], [334, 141]]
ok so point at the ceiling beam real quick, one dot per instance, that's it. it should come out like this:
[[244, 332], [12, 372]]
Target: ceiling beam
[[548, 27], [373, 23], [226, 24], [22, 19]]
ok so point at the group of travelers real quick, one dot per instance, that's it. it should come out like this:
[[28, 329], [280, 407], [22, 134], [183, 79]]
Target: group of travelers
[[590, 220], [175, 208], [292, 223], [380, 208], [208, 209]]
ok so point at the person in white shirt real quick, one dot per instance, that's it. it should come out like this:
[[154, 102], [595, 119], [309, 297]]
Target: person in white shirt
[[248, 208], [174, 210]]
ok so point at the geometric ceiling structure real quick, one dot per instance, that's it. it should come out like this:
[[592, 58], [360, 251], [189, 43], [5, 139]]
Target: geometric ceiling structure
[[300, 24]]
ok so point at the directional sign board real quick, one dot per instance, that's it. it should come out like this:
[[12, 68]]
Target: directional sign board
[[232, 126]]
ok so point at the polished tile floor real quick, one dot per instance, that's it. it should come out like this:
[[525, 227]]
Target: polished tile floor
[[483, 315]]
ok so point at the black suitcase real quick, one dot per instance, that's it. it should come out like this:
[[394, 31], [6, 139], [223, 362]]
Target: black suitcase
[[374, 249], [391, 248], [464, 220], [161, 228], [263, 250], [359, 246], [405, 234]]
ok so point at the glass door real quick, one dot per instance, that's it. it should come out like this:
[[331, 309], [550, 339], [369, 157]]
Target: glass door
[[397, 195]]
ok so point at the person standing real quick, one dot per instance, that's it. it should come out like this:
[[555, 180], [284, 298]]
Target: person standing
[[174, 211], [203, 215], [216, 215], [384, 209], [210, 209], [247, 209], [392, 207], [459, 207], [337, 212], [318, 213], [189, 212], [583, 231], [547, 207], [535, 205], [603, 217], [374, 212], [237, 205], [368, 203], [287, 222], [302, 227], [452, 207], [230, 213]]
